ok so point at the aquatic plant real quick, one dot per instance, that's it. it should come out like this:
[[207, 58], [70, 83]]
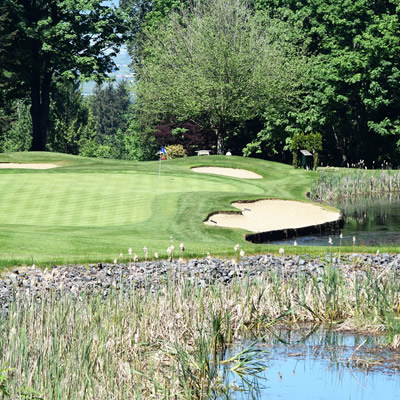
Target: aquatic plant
[[332, 185], [170, 341]]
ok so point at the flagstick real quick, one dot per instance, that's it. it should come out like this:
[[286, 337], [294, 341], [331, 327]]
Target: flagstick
[[159, 167]]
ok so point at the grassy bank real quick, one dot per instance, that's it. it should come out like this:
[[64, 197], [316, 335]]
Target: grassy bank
[[170, 342]]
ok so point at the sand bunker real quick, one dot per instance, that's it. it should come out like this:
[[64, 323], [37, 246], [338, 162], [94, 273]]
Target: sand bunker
[[271, 215], [27, 166], [233, 172]]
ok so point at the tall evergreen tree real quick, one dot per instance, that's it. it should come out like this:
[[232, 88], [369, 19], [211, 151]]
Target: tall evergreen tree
[[68, 38], [110, 108]]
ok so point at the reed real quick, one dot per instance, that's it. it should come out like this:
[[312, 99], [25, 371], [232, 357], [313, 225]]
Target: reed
[[173, 341], [332, 185]]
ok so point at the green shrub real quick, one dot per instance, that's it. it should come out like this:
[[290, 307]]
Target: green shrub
[[175, 151], [311, 142]]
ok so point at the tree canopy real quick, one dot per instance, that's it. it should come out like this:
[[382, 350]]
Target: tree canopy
[[67, 38], [354, 91], [217, 65]]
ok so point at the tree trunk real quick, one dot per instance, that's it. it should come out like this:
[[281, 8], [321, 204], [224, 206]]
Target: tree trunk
[[40, 108], [220, 142]]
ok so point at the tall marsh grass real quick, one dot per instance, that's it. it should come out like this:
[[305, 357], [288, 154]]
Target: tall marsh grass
[[171, 342], [332, 185]]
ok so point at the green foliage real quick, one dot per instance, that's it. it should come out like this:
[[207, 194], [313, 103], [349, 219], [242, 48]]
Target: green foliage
[[16, 135], [68, 116], [110, 106], [228, 67], [311, 142], [353, 91], [68, 39], [4, 377], [175, 151], [146, 16]]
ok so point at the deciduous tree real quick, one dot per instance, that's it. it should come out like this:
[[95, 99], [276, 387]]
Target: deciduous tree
[[217, 65]]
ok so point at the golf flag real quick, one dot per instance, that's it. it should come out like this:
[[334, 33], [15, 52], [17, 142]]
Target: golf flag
[[163, 150]]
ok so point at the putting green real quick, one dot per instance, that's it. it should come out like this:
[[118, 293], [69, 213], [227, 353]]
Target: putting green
[[90, 199]]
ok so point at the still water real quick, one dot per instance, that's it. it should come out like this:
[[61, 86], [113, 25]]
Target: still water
[[374, 221], [323, 367]]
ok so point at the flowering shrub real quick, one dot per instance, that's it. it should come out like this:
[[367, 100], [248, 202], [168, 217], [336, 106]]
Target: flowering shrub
[[175, 151]]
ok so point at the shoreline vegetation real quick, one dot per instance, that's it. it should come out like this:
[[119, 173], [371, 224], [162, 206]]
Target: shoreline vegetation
[[84, 332], [335, 184]]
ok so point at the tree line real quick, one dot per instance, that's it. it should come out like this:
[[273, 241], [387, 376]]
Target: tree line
[[245, 76]]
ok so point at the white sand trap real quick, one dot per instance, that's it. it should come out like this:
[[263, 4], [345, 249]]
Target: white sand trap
[[271, 215], [27, 166], [235, 173]]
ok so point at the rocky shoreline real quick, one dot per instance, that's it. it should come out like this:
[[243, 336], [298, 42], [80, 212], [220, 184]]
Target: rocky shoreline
[[102, 277]]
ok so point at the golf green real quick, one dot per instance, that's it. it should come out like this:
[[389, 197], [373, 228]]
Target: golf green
[[89, 199], [90, 210]]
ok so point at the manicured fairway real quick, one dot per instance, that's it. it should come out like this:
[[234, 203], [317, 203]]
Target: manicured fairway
[[92, 210]]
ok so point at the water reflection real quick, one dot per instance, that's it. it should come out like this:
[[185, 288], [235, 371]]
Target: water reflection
[[323, 366], [373, 221]]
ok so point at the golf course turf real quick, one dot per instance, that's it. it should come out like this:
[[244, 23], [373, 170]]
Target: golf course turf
[[91, 210]]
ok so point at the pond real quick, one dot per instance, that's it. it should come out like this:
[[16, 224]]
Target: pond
[[374, 221], [326, 366]]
